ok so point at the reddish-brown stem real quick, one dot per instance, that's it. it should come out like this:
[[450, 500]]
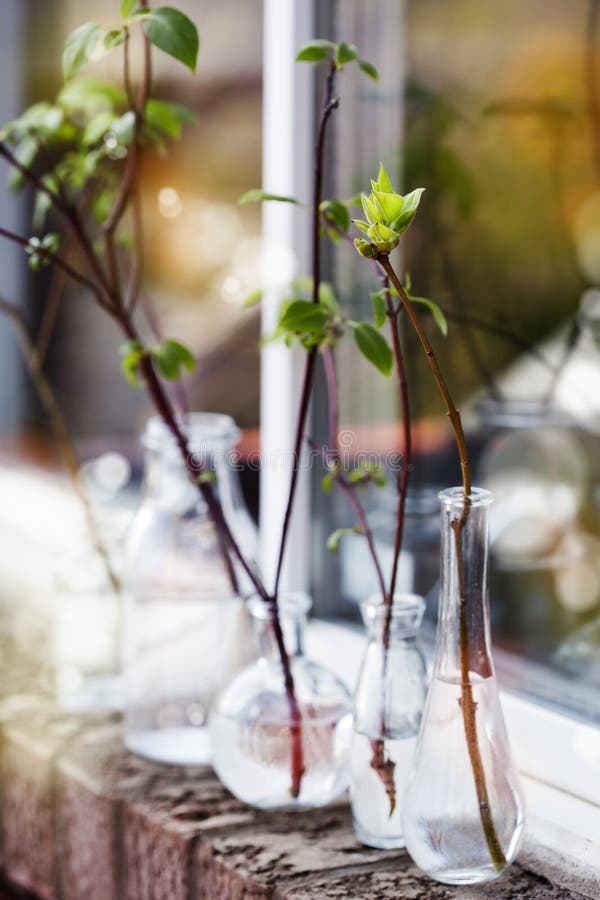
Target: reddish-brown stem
[[228, 544], [69, 213], [165, 410], [329, 104], [107, 292], [50, 311], [334, 456], [383, 766], [468, 705], [61, 263]]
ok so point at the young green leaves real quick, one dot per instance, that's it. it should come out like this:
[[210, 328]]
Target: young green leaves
[[309, 324], [257, 195], [373, 346], [378, 299], [341, 54], [388, 214], [41, 250], [167, 28], [173, 33], [170, 357], [334, 539]]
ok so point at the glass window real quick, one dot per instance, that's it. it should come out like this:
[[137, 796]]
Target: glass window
[[494, 109]]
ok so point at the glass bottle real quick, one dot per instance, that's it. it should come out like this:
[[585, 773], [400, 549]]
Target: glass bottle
[[185, 630], [84, 634], [388, 704], [463, 806], [253, 730]]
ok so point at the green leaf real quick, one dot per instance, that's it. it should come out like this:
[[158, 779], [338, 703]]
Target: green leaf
[[173, 33], [435, 310], [42, 118], [132, 353], [302, 315], [183, 354], [127, 7], [368, 69], [383, 180], [345, 53], [373, 346], [252, 299], [114, 38], [207, 477], [379, 307], [327, 482], [256, 195], [333, 541], [337, 212], [167, 117], [26, 152], [327, 296], [171, 356], [96, 128], [91, 95], [122, 128], [315, 51], [41, 208], [79, 46]]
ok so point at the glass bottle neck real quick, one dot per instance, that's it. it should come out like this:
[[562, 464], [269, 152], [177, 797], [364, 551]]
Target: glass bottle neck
[[292, 629], [292, 611], [404, 622], [463, 642]]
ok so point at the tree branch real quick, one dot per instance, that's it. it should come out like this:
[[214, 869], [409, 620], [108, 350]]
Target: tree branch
[[59, 429]]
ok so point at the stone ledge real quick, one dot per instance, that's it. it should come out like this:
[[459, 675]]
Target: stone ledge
[[83, 819]]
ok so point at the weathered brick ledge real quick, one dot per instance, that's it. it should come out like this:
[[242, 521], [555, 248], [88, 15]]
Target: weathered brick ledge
[[83, 819]]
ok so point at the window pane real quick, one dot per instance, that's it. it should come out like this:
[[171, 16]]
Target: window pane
[[493, 108]]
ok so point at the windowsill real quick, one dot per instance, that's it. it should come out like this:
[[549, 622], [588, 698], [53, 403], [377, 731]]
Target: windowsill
[[563, 828]]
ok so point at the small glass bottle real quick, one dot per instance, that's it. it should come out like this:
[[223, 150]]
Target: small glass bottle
[[388, 704], [258, 745], [85, 630], [185, 630], [463, 807]]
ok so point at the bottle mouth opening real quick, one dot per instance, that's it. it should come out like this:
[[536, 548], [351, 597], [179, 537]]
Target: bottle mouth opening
[[292, 603], [205, 432], [407, 609], [454, 498]]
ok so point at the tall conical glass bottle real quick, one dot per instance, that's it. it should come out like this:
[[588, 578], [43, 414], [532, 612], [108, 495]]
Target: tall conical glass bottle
[[463, 807]]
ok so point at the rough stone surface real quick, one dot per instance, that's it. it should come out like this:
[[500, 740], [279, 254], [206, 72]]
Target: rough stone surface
[[252, 863], [83, 819], [403, 879], [161, 832], [95, 775], [29, 751]]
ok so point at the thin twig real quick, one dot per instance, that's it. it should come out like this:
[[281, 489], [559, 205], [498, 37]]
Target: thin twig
[[345, 485], [329, 104], [468, 705], [61, 263], [59, 429]]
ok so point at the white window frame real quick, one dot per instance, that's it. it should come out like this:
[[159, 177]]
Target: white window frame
[[559, 758], [287, 149]]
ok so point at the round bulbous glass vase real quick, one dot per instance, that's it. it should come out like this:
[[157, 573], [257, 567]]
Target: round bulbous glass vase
[[272, 749], [185, 629], [388, 705], [463, 806]]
